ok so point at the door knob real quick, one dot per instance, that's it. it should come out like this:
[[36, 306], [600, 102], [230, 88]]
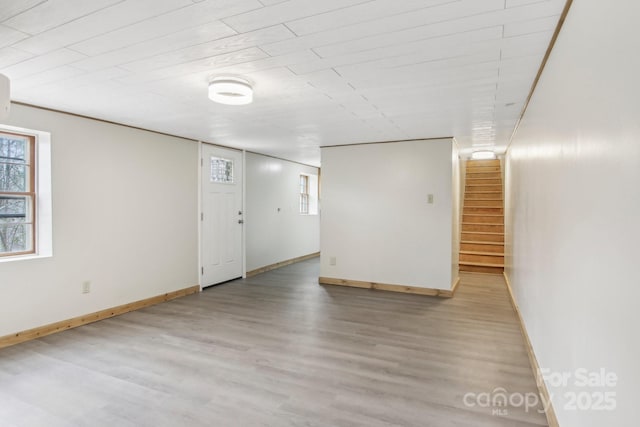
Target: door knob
[[240, 221]]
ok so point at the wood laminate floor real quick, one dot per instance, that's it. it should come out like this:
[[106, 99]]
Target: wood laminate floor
[[280, 350]]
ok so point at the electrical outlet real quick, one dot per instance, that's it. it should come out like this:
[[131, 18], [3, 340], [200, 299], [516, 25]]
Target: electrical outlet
[[86, 287], [332, 260]]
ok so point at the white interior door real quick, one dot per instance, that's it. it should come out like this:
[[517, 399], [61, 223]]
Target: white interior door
[[222, 218]]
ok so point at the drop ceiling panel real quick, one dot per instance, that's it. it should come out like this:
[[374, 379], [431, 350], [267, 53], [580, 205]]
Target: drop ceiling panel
[[324, 72], [42, 63], [99, 22], [285, 12], [10, 56], [389, 55], [9, 36], [14, 7], [363, 12], [202, 13], [172, 42], [211, 49], [483, 16], [391, 25], [54, 13]]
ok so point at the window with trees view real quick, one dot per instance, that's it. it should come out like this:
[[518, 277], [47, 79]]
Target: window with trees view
[[17, 194]]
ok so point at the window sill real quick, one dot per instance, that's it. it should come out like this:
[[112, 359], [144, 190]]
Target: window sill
[[10, 258]]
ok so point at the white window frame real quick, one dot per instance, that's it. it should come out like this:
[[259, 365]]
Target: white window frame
[[304, 195], [44, 214], [312, 195]]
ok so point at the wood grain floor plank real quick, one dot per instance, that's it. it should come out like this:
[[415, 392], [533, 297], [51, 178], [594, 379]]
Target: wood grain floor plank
[[278, 349]]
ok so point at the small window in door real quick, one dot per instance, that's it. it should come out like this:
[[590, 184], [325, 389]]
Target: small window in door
[[304, 194], [221, 170]]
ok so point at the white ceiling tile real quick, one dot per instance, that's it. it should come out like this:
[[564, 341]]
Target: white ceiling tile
[[391, 26], [206, 12], [268, 63], [272, 2], [284, 12], [482, 16], [102, 21], [364, 12], [207, 65], [49, 76], [518, 3], [9, 36], [172, 42], [84, 78], [53, 13], [526, 45], [42, 63], [431, 48], [212, 48], [394, 75], [13, 7], [519, 28], [10, 56]]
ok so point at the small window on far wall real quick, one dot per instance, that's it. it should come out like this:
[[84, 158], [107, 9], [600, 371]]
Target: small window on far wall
[[304, 194], [17, 194]]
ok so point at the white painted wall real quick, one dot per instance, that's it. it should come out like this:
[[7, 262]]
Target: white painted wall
[[573, 209], [124, 218], [376, 220], [274, 236], [456, 211]]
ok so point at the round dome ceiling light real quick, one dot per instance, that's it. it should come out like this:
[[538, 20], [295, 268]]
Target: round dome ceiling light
[[230, 91]]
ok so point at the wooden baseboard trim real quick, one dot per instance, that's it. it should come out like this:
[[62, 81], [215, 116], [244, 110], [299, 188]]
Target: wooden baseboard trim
[[282, 264], [454, 288], [552, 420], [442, 293], [41, 331]]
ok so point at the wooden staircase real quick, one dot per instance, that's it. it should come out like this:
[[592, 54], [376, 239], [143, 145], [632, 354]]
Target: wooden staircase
[[482, 240]]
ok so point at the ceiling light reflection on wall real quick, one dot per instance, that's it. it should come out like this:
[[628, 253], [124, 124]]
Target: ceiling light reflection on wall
[[483, 155], [230, 90]]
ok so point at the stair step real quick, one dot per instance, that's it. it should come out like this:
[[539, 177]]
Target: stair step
[[484, 180], [483, 196], [482, 264], [482, 236], [480, 226], [482, 218], [494, 260], [481, 169], [495, 254], [470, 210], [483, 175], [483, 188], [494, 248], [481, 269], [475, 242], [483, 162], [474, 191], [495, 203]]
